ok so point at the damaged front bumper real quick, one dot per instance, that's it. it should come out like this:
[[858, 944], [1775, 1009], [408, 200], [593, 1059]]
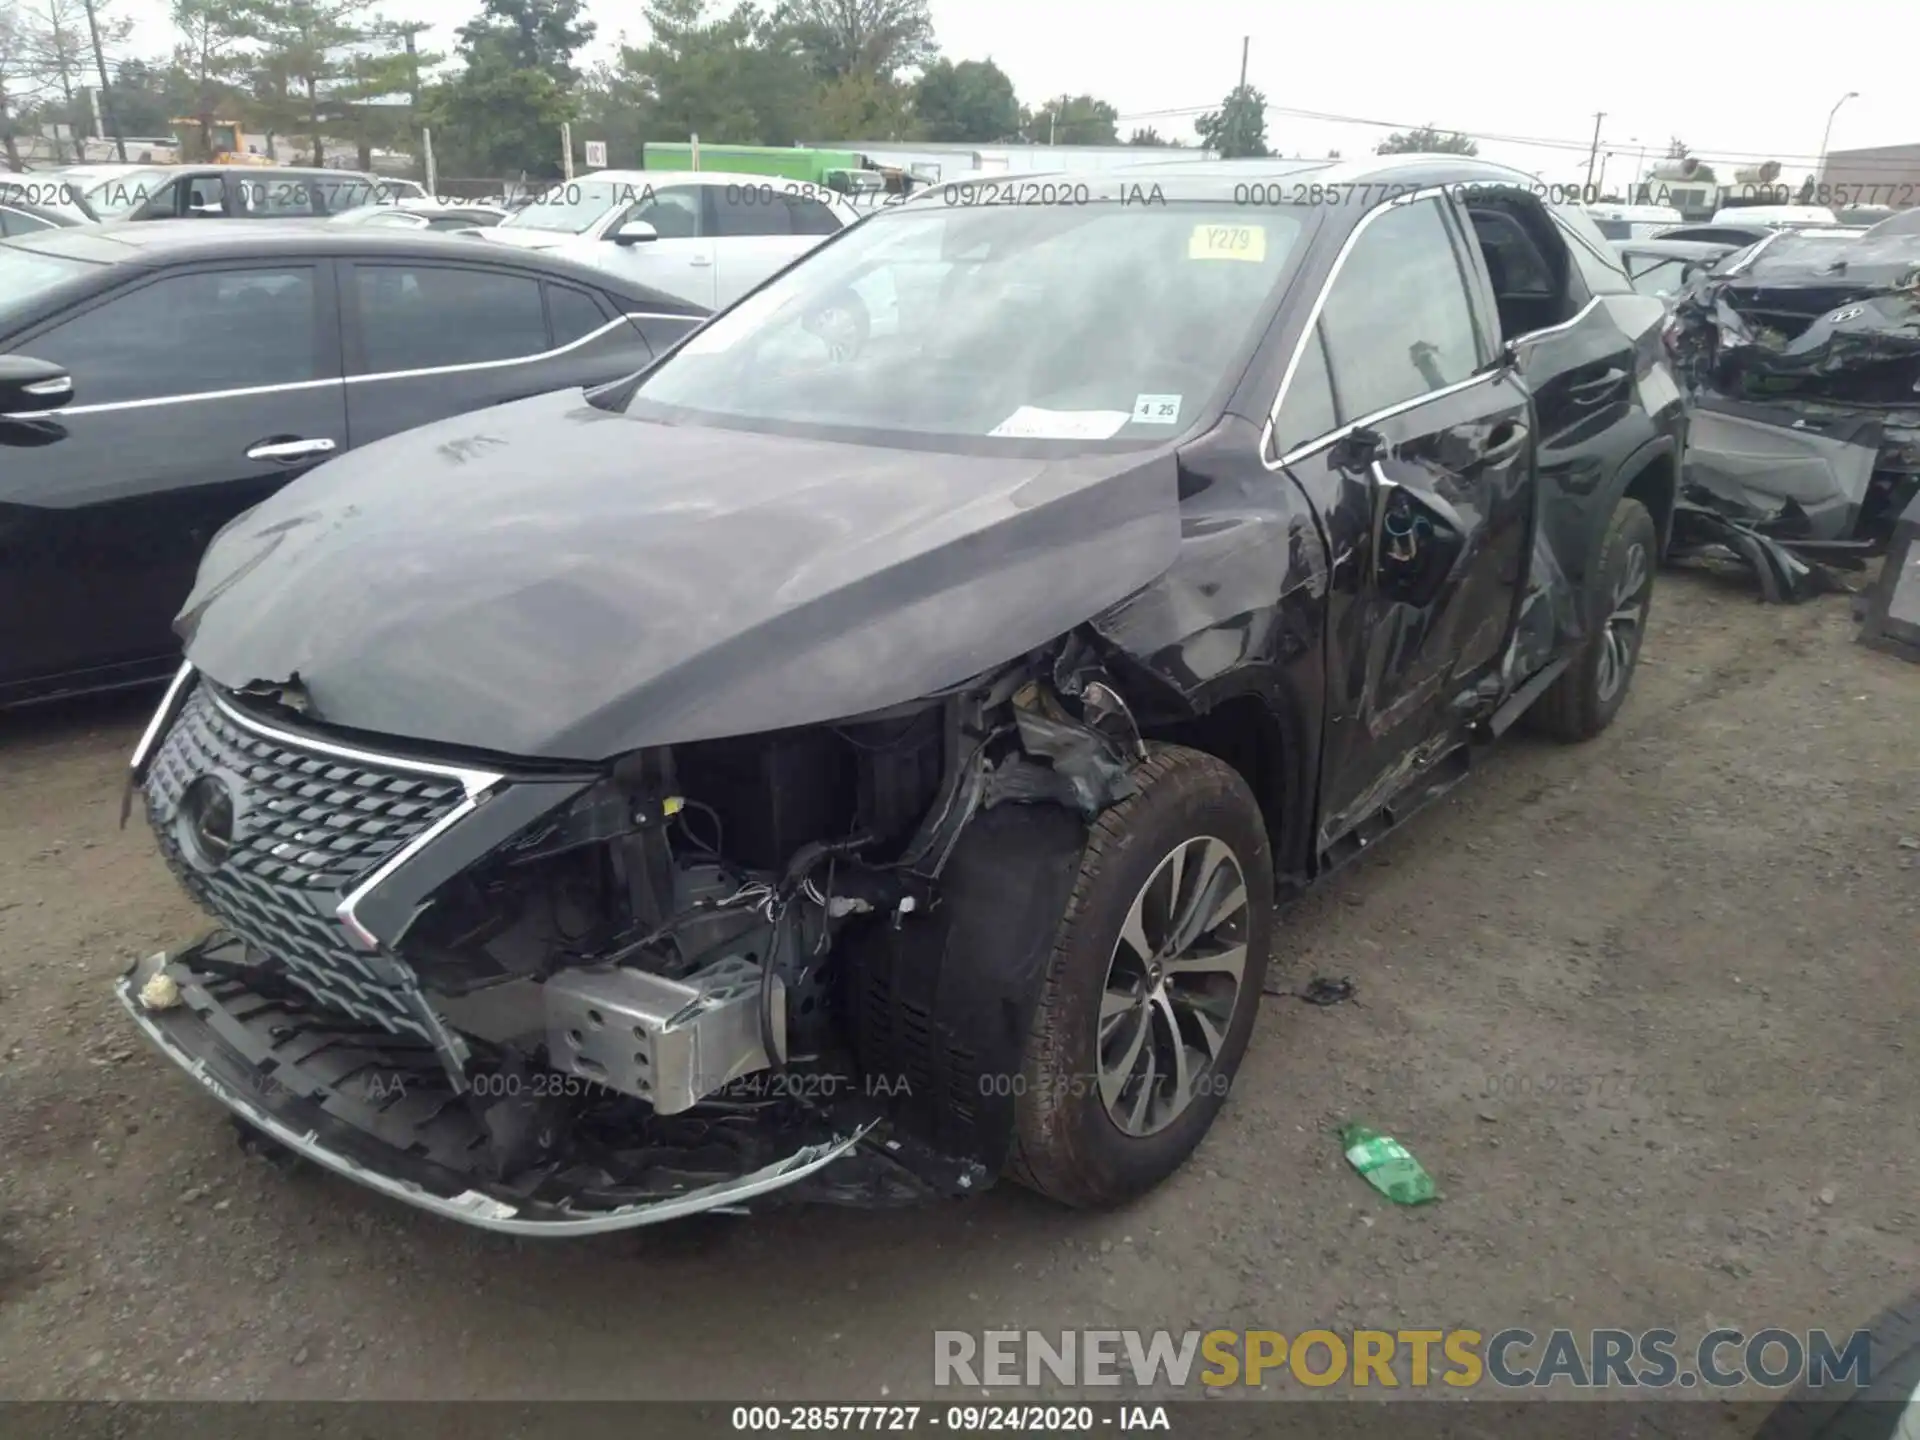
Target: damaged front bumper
[[367, 1107]]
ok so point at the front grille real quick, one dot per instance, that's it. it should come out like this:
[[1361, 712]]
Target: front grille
[[306, 827]]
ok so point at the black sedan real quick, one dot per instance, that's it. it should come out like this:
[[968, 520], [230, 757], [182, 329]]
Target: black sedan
[[204, 366]]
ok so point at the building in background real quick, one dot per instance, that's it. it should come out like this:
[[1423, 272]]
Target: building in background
[[1884, 174]]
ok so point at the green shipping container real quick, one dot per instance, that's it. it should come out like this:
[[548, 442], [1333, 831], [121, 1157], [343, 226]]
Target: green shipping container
[[789, 162]]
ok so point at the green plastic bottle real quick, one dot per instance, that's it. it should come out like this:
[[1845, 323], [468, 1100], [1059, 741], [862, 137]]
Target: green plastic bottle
[[1387, 1165]]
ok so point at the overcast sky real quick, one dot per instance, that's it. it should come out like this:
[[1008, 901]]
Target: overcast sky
[[1738, 83]]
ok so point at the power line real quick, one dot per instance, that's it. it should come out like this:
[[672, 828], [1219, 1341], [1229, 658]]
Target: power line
[[1581, 147]]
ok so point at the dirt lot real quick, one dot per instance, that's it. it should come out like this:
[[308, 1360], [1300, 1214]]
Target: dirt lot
[[1641, 1007]]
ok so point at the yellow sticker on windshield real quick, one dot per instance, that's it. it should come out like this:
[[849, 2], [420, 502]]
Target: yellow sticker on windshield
[[1228, 242]]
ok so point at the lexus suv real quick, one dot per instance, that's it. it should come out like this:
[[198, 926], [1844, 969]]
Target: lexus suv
[[859, 757]]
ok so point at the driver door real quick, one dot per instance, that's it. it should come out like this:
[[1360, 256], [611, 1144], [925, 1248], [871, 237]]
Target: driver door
[[1416, 446], [679, 262]]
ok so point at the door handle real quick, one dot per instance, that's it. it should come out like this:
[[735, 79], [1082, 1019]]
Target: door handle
[[1588, 391], [1503, 450], [701, 260], [289, 449]]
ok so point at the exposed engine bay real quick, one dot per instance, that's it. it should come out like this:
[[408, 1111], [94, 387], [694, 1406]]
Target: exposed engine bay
[[709, 960]]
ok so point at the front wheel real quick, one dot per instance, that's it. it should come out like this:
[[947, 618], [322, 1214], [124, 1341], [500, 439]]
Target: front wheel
[[1590, 692], [1152, 987]]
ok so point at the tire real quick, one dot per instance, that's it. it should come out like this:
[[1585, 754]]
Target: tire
[[1068, 1143], [1591, 690], [1886, 1408]]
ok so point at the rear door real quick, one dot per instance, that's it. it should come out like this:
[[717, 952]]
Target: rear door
[[680, 262], [429, 339], [759, 229], [197, 393], [1416, 447]]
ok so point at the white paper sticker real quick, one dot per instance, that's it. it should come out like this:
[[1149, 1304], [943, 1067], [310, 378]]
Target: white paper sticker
[[1156, 409], [1030, 422]]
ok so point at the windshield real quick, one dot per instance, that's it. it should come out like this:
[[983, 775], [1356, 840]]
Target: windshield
[[570, 208], [1033, 322], [25, 275], [122, 194]]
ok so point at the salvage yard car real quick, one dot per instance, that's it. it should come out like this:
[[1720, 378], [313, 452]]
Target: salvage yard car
[[162, 378], [1802, 356], [706, 236], [857, 765]]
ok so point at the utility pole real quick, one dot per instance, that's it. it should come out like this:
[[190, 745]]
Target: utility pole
[[1245, 41], [1594, 153], [106, 97]]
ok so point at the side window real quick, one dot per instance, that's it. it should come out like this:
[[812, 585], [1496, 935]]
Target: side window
[[750, 209], [271, 199], [574, 313], [1659, 277], [811, 217], [1307, 412], [1397, 321], [1601, 272], [17, 222], [674, 212], [188, 335], [206, 196], [417, 317], [163, 202]]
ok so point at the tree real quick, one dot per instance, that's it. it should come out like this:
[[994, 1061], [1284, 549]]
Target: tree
[[213, 56], [1238, 129], [497, 121], [1426, 140], [1073, 120], [865, 107], [971, 101], [308, 51], [537, 34], [1145, 136], [363, 101], [19, 81], [877, 38]]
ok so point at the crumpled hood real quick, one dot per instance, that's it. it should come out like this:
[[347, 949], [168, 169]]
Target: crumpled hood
[[550, 580]]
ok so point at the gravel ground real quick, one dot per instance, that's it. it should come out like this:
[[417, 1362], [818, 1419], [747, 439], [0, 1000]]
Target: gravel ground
[[1639, 1006]]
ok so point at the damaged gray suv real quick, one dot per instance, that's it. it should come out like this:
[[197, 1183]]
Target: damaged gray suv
[[859, 757]]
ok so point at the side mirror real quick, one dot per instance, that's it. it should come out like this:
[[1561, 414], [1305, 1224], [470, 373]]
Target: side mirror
[[634, 232], [28, 385]]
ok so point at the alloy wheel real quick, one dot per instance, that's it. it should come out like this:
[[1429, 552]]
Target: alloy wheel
[[1620, 641], [1172, 984]]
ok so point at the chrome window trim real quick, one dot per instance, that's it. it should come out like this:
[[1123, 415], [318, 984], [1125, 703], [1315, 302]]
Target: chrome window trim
[[1578, 315], [292, 385], [1300, 452], [472, 365]]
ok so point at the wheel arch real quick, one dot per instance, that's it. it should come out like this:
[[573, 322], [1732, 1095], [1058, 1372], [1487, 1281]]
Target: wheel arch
[[1651, 475]]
